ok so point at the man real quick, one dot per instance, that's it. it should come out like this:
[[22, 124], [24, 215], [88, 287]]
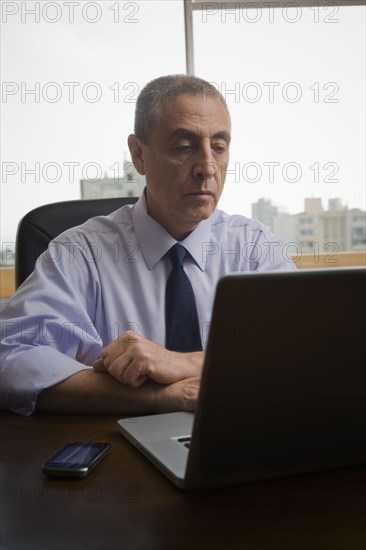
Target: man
[[86, 332]]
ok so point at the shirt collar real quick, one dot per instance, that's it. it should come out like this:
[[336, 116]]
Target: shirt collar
[[154, 241]]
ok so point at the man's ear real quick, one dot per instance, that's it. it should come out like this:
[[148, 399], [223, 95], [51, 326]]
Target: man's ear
[[135, 148]]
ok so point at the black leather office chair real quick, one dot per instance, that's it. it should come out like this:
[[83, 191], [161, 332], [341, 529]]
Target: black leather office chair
[[37, 228]]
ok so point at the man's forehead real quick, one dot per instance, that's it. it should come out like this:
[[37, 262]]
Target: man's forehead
[[189, 112]]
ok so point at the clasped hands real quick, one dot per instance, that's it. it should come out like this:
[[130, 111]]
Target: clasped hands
[[132, 359]]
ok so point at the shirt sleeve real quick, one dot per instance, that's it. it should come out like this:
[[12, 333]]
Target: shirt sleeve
[[270, 253], [47, 330]]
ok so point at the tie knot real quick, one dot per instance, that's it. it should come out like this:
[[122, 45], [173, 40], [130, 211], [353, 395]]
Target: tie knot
[[177, 253]]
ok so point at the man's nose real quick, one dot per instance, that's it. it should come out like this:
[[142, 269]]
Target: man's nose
[[205, 165]]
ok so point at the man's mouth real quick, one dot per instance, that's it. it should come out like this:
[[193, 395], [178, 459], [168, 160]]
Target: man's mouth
[[201, 193]]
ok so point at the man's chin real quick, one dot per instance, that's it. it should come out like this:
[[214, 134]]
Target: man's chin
[[204, 204], [199, 214]]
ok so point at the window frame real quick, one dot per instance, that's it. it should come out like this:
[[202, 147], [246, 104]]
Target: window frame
[[194, 5]]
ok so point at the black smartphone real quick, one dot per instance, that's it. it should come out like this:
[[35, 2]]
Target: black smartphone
[[76, 459]]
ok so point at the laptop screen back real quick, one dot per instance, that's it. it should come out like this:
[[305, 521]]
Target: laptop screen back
[[283, 387]]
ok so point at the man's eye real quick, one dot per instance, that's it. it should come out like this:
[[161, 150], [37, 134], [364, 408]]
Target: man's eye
[[183, 148], [219, 148]]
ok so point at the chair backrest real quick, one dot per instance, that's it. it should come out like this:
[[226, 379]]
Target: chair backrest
[[37, 228]]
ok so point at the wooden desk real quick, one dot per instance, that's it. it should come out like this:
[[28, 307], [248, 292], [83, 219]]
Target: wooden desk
[[126, 503]]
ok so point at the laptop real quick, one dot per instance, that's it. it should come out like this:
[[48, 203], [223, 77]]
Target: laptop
[[283, 387]]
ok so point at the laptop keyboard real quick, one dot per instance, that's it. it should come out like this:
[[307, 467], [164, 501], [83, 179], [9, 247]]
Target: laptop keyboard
[[186, 440]]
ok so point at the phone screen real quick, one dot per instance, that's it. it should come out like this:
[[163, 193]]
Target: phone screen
[[76, 459]]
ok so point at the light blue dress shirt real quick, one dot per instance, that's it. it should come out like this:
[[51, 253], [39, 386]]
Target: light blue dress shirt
[[109, 275]]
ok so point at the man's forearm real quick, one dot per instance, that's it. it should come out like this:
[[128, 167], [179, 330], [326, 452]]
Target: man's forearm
[[90, 392], [132, 359]]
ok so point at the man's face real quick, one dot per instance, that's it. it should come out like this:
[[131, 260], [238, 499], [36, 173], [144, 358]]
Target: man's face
[[185, 162]]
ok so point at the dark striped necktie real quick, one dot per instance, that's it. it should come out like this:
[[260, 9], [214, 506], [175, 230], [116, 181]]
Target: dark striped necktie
[[181, 319]]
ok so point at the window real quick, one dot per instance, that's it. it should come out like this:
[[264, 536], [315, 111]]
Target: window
[[294, 80], [71, 73], [293, 74]]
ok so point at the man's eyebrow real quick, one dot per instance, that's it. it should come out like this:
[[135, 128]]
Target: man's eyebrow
[[223, 134], [185, 132]]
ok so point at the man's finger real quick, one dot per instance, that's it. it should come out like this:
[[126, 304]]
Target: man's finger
[[133, 375], [99, 366]]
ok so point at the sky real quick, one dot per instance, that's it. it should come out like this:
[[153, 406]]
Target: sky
[[71, 71]]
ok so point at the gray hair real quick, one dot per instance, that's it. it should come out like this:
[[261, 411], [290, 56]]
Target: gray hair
[[148, 106]]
